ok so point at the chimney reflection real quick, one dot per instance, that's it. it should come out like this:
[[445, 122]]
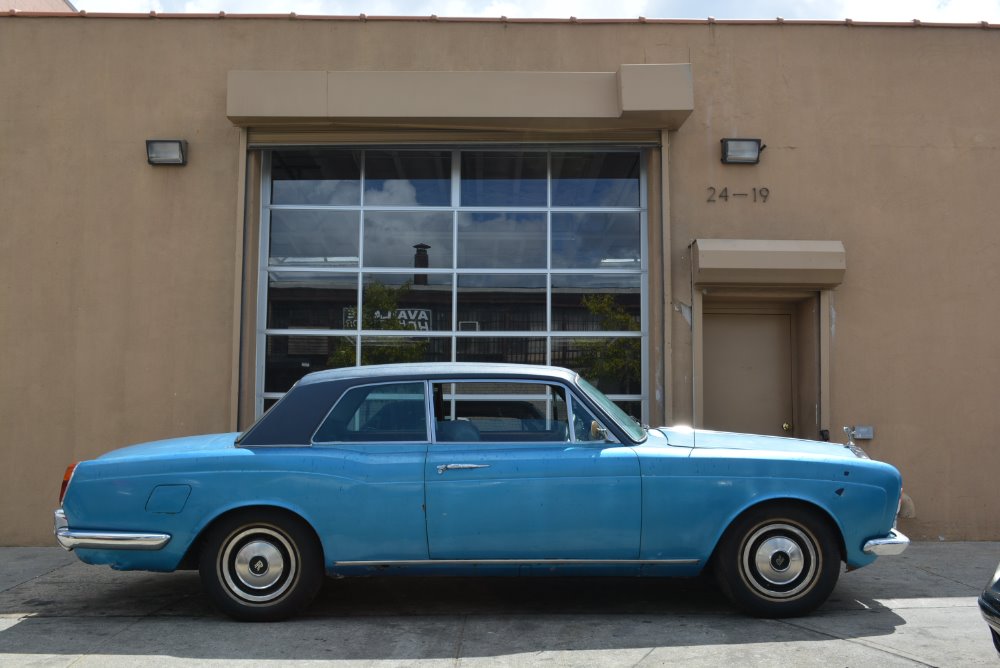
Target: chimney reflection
[[421, 260]]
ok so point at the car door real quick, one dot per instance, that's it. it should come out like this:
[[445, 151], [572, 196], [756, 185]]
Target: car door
[[513, 480], [371, 449]]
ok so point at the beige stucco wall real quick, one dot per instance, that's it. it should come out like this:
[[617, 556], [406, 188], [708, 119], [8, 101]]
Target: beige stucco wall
[[118, 280]]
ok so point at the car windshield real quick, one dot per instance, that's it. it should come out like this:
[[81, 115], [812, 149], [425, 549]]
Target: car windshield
[[621, 418]]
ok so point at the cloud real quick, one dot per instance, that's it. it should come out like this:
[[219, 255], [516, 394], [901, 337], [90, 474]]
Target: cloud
[[960, 11], [947, 11]]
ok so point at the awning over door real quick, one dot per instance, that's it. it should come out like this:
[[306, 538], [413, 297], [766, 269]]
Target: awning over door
[[763, 262]]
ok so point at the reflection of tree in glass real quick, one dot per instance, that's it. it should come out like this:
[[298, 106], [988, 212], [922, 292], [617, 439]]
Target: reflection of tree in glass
[[615, 362], [380, 310]]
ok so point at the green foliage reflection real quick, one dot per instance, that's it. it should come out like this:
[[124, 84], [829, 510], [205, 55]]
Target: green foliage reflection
[[380, 311]]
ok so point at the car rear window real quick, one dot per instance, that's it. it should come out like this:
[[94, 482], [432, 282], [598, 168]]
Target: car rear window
[[391, 412]]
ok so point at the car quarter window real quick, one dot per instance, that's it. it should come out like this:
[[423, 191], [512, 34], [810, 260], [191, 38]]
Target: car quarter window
[[586, 427], [390, 412], [500, 411]]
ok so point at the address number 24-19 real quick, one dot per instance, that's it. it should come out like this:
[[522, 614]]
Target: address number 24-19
[[723, 195]]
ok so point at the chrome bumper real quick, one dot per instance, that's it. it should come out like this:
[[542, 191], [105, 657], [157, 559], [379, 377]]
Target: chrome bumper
[[894, 543], [105, 540]]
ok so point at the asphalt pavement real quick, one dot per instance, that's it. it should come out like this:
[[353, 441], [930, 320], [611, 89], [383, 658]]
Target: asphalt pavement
[[916, 609]]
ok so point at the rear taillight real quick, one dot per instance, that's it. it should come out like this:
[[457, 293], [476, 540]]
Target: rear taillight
[[66, 478]]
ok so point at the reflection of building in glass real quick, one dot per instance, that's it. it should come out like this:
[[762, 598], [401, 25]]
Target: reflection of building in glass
[[480, 264]]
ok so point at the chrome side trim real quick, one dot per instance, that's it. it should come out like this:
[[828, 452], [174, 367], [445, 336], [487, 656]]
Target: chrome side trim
[[520, 562], [105, 540], [895, 543]]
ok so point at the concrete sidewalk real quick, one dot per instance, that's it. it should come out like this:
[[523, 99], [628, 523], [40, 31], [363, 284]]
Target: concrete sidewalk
[[915, 609]]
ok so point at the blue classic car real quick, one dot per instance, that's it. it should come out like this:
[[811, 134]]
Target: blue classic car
[[478, 469]]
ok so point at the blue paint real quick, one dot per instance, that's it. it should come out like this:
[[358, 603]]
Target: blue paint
[[669, 497]]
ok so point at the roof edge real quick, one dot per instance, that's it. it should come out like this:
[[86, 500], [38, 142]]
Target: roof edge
[[916, 23]]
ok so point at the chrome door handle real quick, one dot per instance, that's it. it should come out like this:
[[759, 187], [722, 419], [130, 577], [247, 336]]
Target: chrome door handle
[[452, 467]]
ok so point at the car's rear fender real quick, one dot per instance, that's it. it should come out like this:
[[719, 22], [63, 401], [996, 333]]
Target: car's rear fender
[[193, 554]]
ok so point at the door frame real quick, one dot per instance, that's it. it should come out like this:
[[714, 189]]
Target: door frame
[[766, 270], [762, 300]]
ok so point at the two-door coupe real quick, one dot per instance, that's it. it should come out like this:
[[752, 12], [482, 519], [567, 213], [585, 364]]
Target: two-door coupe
[[460, 469]]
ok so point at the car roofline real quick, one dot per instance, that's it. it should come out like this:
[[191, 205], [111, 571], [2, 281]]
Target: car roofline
[[440, 370]]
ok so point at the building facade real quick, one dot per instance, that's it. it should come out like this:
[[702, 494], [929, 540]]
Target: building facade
[[360, 190]]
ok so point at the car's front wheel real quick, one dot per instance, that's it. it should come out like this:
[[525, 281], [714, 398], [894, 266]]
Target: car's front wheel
[[778, 561], [261, 565]]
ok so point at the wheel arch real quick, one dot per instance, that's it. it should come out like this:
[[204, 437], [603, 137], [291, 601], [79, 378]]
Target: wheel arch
[[190, 559], [781, 501]]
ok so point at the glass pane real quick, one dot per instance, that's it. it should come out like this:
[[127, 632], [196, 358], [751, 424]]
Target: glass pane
[[322, 177], [398, 349], [596, 241], [307, 300], [596, 302], [632, 408], [595, 179], [503, 179], [515, 350], [613, 365], [377, 413], [615, 410], [404, 301], [501, 240], [505, 302], [583, 425], [407, 178], [408, 239], [314, 238], [500, 412], [288, 358]]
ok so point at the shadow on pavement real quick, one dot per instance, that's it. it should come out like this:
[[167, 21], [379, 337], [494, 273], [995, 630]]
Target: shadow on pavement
[[402, 619]]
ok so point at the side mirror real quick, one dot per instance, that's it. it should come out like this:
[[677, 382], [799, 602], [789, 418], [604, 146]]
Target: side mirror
[[597, 432]]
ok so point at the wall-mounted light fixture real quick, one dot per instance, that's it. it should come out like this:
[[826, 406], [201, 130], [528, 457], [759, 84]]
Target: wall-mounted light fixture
[[741, 151], [166, 151]]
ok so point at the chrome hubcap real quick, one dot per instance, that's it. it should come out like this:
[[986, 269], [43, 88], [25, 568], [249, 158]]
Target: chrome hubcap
[[258, 565], [780, 560]]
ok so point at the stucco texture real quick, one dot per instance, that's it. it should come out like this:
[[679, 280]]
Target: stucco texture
[[120, 282]]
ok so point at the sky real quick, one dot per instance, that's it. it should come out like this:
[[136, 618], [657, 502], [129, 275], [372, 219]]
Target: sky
[[945, 11]]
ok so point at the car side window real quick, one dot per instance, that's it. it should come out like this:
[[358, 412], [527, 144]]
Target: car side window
[[390, 412], [500, 411]]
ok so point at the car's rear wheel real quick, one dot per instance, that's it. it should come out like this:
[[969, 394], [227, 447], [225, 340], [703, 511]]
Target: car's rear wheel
[[778, 561], [261, 565]]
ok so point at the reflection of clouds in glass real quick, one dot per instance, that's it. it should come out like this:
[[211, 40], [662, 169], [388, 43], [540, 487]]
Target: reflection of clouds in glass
[[407, 192], [314, 237], [494, 240], [594, 240], [595, 192], [394, 192], [595, 179], [390, 237], [323, 193], [504, 192]]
